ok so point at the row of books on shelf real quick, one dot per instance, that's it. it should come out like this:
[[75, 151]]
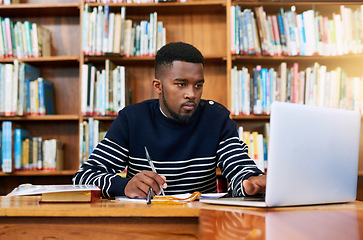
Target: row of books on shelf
[[20, 151], [90, 134], [257, 144], [106, 32], [23, 91], [103, 90], [253, 93], [23, 39], [291, 33]]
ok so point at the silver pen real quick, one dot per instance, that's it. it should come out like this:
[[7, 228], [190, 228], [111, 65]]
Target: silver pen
[[152, 167]]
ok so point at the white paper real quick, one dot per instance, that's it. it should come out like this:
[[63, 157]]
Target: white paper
[[30, 189]]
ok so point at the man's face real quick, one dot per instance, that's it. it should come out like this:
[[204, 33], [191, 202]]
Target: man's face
[[180, 89]]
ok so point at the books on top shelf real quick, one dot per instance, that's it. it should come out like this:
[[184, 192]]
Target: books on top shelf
[[253, 93], [106, 32], [20, 151], [104, 90], [292, 33], [23, 39], [59, 193]]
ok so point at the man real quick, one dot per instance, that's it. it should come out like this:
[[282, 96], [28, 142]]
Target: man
[[187, 138]]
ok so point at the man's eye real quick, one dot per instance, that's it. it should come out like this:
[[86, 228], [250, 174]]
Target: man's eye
[[199, 85], [180, 84]]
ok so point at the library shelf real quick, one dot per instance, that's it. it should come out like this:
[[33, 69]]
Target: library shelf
[[40, 173], [250, 117], [209, 7], [43, 9], [347, 57], [101, 118], [142, 59], [55, 117], [36, 61]]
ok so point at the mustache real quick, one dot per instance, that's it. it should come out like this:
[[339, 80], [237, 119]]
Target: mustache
[[190, 102]]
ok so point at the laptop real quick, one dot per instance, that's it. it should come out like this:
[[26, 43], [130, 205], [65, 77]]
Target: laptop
[[312, 157]]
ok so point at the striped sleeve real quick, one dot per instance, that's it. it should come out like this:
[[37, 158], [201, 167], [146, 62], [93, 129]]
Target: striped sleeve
[[107, 159], [235, 164]]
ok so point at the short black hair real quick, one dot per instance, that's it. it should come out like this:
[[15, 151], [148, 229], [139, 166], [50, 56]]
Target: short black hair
[[176, 51]]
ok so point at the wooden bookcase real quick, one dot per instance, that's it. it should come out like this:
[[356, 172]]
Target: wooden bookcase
[[203, 23]]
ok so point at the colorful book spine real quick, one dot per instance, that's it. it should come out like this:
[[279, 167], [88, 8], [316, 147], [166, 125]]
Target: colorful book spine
[[19, 137], [7, 147]]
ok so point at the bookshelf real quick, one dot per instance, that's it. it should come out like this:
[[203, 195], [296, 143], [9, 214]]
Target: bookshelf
[[62, 69], [203, 23]]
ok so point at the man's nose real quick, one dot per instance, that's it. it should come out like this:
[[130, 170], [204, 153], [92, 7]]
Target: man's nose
[[190, 93]]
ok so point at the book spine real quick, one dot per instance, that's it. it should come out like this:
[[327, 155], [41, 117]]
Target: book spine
[[48, 97], [233, 29], [15, 87], [28, 39], [39, 154], [91, 135], [7, 158], [9, 68], [106, 33], [17, 149], [8, 38], [41, 96]]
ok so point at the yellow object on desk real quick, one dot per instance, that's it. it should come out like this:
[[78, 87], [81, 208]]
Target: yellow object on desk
[[175, 200]]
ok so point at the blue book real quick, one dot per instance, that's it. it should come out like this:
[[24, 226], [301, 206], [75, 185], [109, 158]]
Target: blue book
[[90, 135], [301, 31], [27, 96], [19, 136], [263, 89], [26, 72], [257, 98], [6, 153], [106, 27], [46, 97], [280, 21]]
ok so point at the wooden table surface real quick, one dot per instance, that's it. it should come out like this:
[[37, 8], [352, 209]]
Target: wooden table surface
[[25, 218]]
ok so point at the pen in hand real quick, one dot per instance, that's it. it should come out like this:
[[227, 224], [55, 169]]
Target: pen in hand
[[152, 167]]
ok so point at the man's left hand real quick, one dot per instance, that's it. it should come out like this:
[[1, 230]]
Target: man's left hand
[[255, 185]]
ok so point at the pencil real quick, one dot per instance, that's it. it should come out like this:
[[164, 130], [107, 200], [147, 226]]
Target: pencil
[[152, 167]]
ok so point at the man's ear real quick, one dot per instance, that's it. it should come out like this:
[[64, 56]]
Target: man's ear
[[157, 86]]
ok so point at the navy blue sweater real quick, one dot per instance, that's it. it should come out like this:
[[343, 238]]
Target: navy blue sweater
[[187, 155]]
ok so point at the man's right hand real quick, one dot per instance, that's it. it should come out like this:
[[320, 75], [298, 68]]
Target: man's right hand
[[139, 185]]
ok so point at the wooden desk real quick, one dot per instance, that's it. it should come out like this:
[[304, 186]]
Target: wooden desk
[[25, 218]]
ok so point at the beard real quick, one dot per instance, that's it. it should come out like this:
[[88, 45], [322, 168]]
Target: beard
[[180, 119]]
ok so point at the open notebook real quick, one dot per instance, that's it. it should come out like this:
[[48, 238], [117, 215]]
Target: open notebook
[[312, 159]]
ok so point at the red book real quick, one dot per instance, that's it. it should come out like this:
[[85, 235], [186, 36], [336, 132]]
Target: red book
[[82, 196]]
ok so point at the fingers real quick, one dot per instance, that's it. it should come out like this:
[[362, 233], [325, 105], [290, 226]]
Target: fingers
[[139, 185], [255, 185]]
